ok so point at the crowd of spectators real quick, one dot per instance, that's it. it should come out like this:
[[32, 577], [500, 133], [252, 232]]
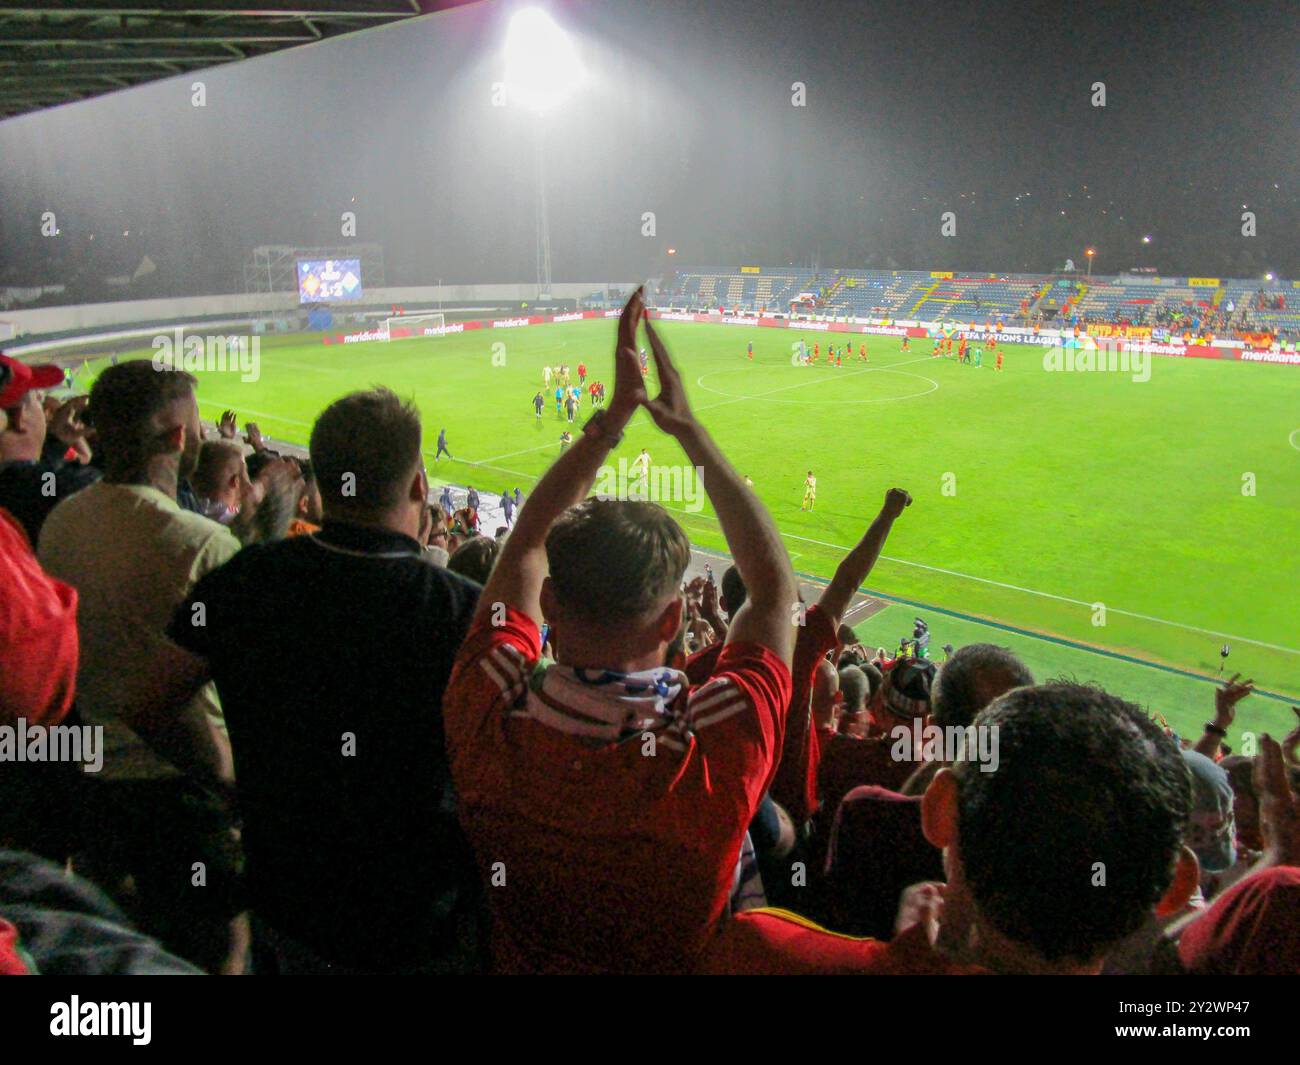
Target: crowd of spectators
[[344, 731]]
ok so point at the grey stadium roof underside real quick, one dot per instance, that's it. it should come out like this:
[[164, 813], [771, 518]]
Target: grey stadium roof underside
[[58, 52]]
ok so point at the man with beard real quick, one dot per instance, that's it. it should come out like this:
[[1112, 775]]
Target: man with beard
[[133, 554]]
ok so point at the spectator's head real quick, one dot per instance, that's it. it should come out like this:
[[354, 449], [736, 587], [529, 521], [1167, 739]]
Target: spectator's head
[[904, 694], [439, 528], [309, 507], [845, 635], [365, 449], [875, 679], [733, 591], [856, 689], [475, 558], [1071, 838], [146, 421], [1211, 833], [971, 679], [613, 595], [23, 435], [826, 686], [221, 475], [1245, 800]]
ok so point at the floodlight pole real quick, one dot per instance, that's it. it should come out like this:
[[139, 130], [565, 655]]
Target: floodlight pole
[[543, 220]]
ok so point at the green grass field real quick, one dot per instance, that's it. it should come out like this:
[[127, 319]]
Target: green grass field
[[1046, 502]]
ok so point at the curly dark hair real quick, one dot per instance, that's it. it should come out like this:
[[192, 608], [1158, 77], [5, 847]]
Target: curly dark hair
[[1071, 841]]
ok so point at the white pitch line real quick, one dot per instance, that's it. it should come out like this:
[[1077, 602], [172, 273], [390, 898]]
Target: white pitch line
[[1033, 591], [213, 405], [512, 454]]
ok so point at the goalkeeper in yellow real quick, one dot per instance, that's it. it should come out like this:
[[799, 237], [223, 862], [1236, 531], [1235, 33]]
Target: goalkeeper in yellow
[[809, 492]]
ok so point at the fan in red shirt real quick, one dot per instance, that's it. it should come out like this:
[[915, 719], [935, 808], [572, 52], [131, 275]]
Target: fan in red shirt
[[1081, 777], [875, 846], [38, 635], [1254, 926], [38, 614], [607, 801], [795, 785], [850, 761]]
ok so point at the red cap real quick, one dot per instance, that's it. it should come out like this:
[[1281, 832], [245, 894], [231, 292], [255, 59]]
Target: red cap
[[17, 379]]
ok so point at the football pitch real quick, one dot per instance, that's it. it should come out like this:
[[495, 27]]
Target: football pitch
[[1112, 529]]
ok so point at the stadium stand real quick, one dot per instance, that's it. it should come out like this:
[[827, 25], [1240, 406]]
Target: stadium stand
[[1173, 303]]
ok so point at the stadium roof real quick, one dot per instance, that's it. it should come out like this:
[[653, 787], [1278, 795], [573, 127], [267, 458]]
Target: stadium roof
[[59, 51]]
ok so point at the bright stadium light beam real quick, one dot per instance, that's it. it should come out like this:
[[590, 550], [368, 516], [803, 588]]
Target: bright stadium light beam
[[542, 65]]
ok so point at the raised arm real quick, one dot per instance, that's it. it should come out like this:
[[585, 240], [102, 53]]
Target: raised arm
[[768, 614], [517, 577], [1226, 699], [851, 572]]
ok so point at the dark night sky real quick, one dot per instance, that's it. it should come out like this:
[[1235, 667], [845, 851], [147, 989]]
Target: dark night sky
[[913, 109]]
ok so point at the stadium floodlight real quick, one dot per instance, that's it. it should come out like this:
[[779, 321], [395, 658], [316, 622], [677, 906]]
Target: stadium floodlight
[[1268, 277], [1146, 240], [542, 65], [542, 71]]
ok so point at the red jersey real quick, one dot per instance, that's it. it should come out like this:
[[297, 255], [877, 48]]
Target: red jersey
[[582, 369], [598, 856], [38, 634], [1253, 928], [795, 783], [774, 942]]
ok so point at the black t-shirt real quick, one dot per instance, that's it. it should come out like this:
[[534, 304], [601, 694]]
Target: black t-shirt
[[331, 654], [30, 490]]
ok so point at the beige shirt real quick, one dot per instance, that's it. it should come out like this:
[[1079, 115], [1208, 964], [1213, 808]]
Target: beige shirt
[[133, 555]]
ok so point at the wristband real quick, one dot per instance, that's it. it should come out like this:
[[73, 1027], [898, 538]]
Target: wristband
[[1214, 730], [595, 426]]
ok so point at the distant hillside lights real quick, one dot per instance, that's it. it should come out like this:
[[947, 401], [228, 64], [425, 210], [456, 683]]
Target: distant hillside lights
[[220, 354], [1105, 357]]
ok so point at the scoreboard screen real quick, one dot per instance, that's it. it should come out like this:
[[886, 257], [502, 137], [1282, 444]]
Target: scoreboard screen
[[329, 280]]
